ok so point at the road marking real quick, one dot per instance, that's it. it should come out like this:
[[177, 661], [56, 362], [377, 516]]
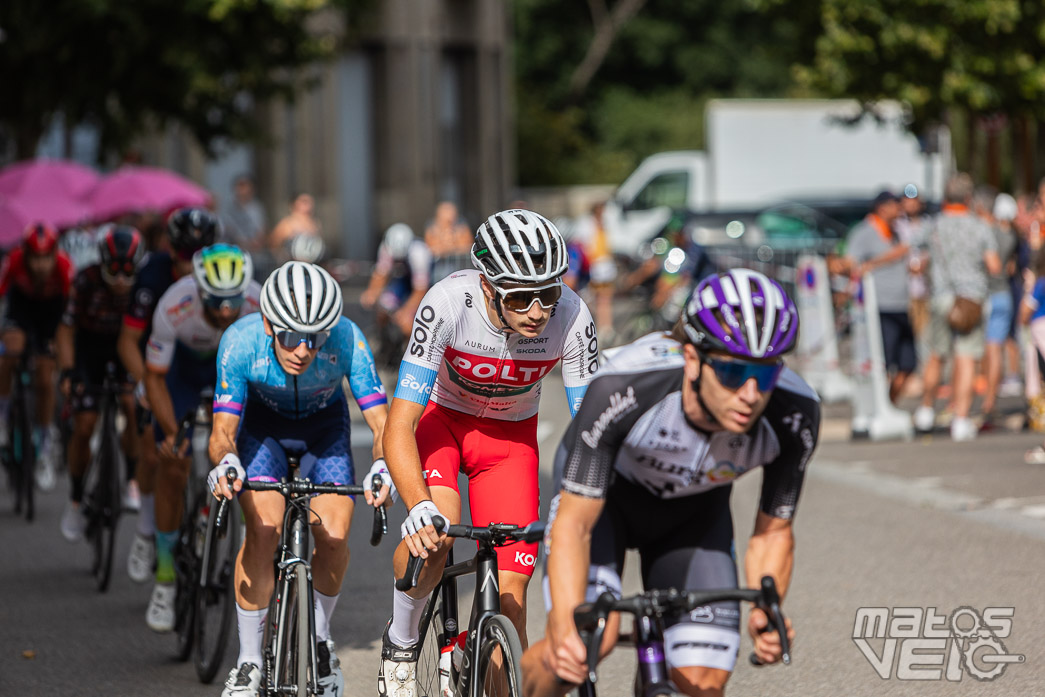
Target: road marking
[[1026, 516]]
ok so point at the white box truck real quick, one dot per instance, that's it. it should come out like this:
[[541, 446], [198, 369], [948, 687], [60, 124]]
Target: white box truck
[[764, 152]]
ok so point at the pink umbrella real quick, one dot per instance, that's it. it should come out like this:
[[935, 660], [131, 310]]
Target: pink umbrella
[[45, 179], [17, 213], [136, 189]]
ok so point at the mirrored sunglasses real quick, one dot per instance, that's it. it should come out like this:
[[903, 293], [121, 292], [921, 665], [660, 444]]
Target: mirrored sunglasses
[[290, 340], [733, 374], [520, 300]]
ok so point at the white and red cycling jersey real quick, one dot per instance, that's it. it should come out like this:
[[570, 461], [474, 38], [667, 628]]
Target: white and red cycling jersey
[[457, 358]]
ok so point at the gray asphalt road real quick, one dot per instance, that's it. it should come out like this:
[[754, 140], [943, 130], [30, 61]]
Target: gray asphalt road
[[921, 524]]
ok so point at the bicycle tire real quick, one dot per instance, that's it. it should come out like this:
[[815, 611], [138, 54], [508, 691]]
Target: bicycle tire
[[186, 579], [427, 672], [301, 660], [215, 596], [106, 504], [499, 653], [27, 465]]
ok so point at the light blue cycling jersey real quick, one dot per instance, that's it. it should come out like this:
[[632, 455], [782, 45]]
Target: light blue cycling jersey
[[248, 371]]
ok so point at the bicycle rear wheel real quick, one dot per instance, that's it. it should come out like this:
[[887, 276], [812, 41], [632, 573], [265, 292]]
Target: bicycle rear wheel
[[24, 460], [429, 681], [215, 596], [499, 654], [186, 578], [105, 505]]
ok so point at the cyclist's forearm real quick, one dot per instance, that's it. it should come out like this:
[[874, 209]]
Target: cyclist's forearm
[[568, 572], [63, 346], [770, 553], [375, 418], [160, 400], [222, 437], [130, 355], [404, 462]]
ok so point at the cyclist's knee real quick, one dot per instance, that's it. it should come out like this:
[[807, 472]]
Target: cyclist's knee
[[331, 541], [700, 681], [83, 424]]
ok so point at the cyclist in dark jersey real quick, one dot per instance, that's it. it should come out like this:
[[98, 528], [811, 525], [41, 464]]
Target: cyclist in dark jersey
[[86, 344], [189, 230], [34, 278], [648, 463]]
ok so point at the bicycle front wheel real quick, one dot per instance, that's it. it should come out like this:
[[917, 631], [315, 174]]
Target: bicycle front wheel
[[105, 504], [302, 659], [499, 654], [429, 680], [215, 597]]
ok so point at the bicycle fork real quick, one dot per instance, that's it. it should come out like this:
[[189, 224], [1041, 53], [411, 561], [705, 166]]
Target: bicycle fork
[[292, 563]]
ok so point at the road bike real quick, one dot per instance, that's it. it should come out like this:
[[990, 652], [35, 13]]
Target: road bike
[[489, 648], [649, 609], [102, 503], [20, 454], [289, 645], [204, 558]]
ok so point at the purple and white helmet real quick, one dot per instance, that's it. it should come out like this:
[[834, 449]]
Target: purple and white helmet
[[743, 313]]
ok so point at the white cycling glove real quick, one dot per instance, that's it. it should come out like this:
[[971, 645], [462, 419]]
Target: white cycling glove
[[139, 394], [380, 471], [421, 515], [218, 473]]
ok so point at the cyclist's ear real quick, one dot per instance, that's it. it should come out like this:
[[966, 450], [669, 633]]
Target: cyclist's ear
[[267, 324]]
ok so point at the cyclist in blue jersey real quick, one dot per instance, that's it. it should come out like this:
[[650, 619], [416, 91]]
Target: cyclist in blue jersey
[[281, 373]]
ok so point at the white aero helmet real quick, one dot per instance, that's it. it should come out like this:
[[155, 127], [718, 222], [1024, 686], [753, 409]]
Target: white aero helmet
[[398, 238], [308, 248], [519, 246], [301, 297]]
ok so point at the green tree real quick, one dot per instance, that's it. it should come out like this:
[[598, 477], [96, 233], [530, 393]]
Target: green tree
[[127, 66], [599, 86]]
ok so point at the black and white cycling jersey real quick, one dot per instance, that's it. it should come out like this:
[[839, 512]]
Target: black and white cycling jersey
[[631, 424]]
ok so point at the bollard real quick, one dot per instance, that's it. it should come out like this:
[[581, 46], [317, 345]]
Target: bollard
[[873, 414], [816, 359]]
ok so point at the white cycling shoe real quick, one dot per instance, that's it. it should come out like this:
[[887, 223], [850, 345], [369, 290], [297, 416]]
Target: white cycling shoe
[[243, 681], [142, 559], [160, 615], [73, 523], [331, 681], [398, 674]]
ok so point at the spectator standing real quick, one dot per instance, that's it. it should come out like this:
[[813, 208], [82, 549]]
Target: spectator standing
[[244, 217], [1032, 314], [300, 221], [449, 240], [910, 226], [999, 214], [602, 267], [874, 247], [963, 253]]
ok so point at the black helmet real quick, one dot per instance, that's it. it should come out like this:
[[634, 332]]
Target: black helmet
[[121, 250], [192, 229]]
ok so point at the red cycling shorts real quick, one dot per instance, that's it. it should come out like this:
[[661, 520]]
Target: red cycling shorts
[[500, 459]]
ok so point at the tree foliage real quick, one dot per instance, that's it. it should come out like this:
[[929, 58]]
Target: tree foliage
[[126, 66], [587, 120], [982, 56]]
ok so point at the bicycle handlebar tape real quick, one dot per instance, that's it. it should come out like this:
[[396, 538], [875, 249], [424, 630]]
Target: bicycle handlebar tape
[[416, 564], [380, 528]]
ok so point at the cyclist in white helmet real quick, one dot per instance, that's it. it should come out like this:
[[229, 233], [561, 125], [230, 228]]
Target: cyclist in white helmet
[[288, 363], [469, 387], [401, 278]]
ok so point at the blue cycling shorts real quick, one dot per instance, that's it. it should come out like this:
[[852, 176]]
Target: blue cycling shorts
[[321, 441]]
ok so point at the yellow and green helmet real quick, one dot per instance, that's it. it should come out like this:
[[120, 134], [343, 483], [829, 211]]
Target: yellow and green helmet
[[222, 270]]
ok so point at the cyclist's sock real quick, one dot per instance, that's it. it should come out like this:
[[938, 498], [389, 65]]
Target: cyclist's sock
[[77, 484], [147, 517], [251, 624], [39, 436], [165, 542], [324, 605], [132, 467], [406, 616]]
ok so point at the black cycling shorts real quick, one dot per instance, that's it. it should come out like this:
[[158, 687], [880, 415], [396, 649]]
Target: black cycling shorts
[[37, 318]]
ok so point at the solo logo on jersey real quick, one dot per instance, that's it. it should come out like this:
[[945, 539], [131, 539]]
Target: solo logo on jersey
[[422, 329]]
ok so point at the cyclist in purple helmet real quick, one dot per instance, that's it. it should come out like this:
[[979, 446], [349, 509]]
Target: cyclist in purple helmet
[[648, 463]]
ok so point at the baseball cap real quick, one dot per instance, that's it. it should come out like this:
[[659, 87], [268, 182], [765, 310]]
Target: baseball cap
[[885, 196]]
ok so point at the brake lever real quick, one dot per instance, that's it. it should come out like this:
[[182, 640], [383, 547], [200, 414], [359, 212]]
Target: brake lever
[[380, 528], [220, 519], [770, 604]]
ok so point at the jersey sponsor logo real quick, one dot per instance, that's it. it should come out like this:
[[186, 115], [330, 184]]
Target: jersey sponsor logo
[[223, 398], [410, 382], [525, 558], [144, 297], [434, 474], [479, 347], [180, 308], [488, 370], [534, 340], [590, 345], [619, 406], [422, 330]]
